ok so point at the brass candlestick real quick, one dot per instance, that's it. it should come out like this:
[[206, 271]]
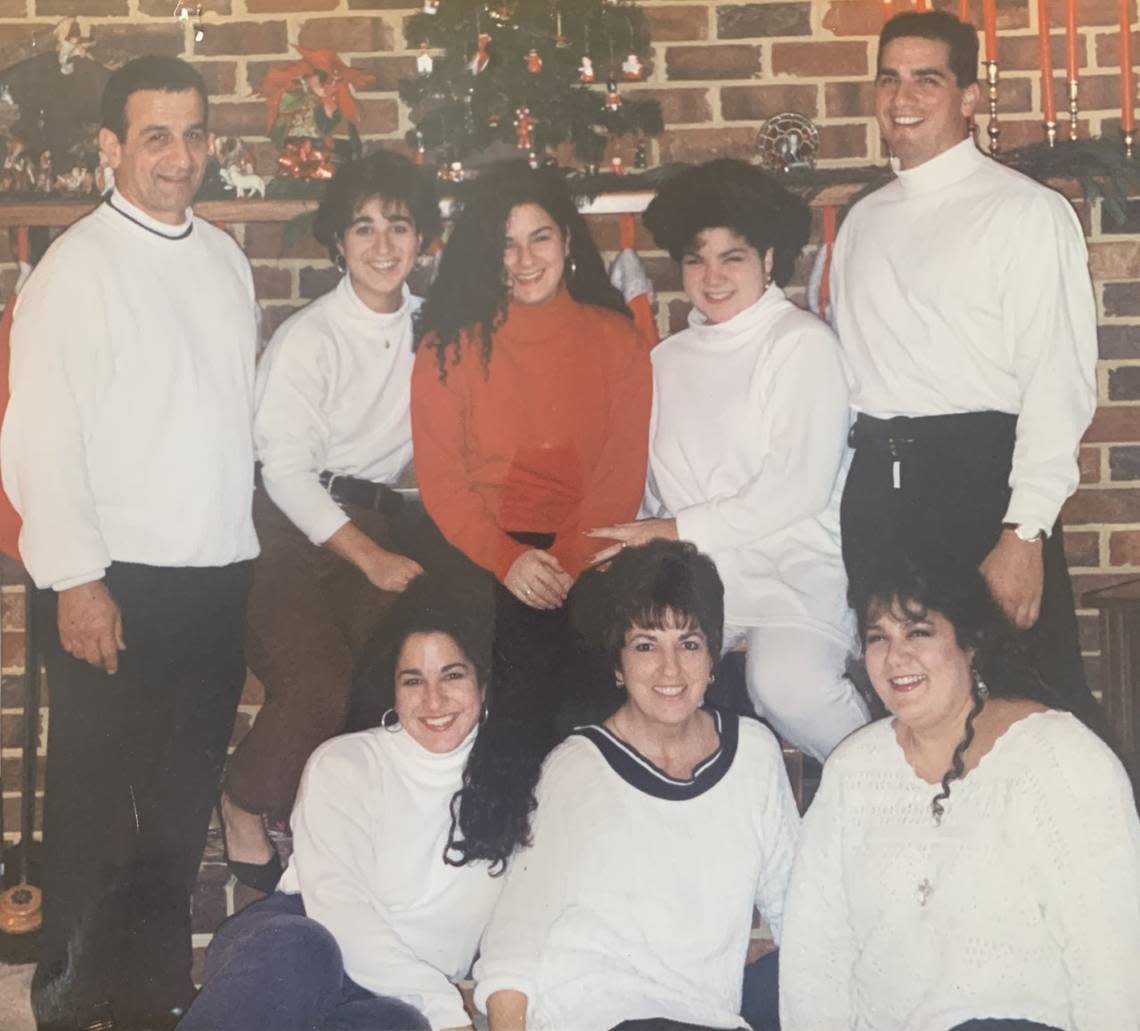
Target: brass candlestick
[[1074, 109], [994, 129], [1129, 139], [1051, 132]]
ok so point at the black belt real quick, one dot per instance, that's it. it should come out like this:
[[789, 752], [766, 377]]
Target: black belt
[[350, 490], [986, 430]]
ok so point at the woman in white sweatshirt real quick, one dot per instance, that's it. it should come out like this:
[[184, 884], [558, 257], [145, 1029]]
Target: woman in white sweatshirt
[[399, 835], [748, 446]]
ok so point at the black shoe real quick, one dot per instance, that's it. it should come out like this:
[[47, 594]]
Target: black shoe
[[158, 1020], [99, 1018], [260, 876]]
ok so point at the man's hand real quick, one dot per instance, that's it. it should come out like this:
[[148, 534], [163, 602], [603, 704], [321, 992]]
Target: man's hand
[[537, 579], [1015, 573], [387, 570], [630, 535], [506, 1011], [91, 625]]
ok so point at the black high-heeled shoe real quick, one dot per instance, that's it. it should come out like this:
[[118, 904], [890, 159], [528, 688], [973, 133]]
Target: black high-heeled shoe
[[260, 876]]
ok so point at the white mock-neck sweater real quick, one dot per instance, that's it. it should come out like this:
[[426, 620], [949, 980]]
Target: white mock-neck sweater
[[748, 450], [1024, 902], [128, 437], [370, 825], [963, 286], [334, 393]]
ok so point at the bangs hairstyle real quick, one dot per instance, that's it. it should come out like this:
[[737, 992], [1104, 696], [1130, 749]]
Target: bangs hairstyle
[[660, 585], [164, 74], [961, 38], [737, 196], [392, 178], [470, 291]]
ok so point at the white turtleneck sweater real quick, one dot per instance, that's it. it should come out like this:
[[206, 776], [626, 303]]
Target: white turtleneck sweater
[[963, 286], [748, 451], [128, 433], [1023, 902], [334, 392], [370, 825]]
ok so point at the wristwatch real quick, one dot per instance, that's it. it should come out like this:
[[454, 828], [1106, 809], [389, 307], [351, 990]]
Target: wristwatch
[[1026, 532]]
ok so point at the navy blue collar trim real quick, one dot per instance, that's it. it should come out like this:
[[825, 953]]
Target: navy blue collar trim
[[150, 229], [637, 771]]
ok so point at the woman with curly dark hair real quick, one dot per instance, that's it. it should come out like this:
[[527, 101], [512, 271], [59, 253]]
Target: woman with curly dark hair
[[530, 407], [748, 445], [400, 833], [975, 857], [333, 433]]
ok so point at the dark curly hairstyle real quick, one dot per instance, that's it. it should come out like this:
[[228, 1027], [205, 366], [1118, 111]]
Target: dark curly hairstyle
[[152, 72], [734, 195], [490, 814], [392, 178], [959, 593], [470, 292], [960, 37]]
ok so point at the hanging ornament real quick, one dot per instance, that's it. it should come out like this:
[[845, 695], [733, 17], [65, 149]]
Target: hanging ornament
[[586, 70], [613, 99], [455, 172], [481, 58], [431, 6], [533, 62], [616, 165], [532, 159], [419, 147], [424, 60], [524, 128], [640, 156], [632, 69]]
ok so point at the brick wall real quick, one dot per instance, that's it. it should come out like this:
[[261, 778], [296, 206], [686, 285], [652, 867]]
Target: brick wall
[[718, 70]]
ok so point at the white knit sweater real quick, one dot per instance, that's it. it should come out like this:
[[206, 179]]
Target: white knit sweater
[[1024, 902]]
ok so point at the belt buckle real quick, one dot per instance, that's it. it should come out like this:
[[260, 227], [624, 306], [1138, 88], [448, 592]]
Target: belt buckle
[[330, 486]]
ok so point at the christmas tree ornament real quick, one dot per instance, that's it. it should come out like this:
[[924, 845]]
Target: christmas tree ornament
[[481, 58], [586, 70], [532, 159], [455, 172], [424, 61], [632, 69], [616, 165], [640, 156], [533, 61], [613, 98], [431, 6], [788, 141], [524, 129], [419, 147]]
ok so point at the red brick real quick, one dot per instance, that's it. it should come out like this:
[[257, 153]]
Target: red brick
[[819, 59], [1011, 14], [704, 144], [13, 771], [849, 99], [854, 17], [1119, 341], [1023, 132], [116, 44], [1124, 385], [1097, 93], [678, 106], [164, 8], [1124, 463], [357, 34], [664, 271], [238, 118], [755, 103], [264, 239], [606, 230], [12, 612], [12, 813], [843, 141], [273, 315], [12, 723], [243, 38], [378, 116], [80, 8], [220, 76], [315, 282], [1082, 548], [288, 6], [1102, 506], [1124, 548], [16, 42], [1088, 631], [1089, 12], [677, 22], [386, 71], [1023, 53], [272, 282], [1117, 260], [1108, 48], [13, 649], [1115, 424], [750, 21], [730, 61], [13, 9], [1122, 299], [1088, 462]]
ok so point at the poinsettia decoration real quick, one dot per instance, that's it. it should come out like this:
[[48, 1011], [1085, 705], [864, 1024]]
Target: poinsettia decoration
[[312, 97]]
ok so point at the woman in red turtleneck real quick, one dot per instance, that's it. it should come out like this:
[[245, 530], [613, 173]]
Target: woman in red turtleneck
[[530, 408]]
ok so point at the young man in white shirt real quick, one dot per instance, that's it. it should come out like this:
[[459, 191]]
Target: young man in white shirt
[[966, 314], [127, 449]]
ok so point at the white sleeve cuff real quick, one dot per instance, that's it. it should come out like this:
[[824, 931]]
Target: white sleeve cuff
[[78, 581], [486, 987]]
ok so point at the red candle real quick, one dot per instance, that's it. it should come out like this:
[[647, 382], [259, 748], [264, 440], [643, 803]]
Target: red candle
[[1127, 114], [1048, 102], [964, 10], [989, 20], [1071, 62]]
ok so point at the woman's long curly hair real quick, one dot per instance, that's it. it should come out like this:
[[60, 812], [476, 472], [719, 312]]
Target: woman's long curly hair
[[958, 592], [470, 292], [490, 814]]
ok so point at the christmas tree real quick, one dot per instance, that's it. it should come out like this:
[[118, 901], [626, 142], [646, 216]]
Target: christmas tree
[[531, 73]]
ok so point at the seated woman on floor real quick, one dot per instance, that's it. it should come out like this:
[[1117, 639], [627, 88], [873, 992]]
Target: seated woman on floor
[[656, 833], [748, 445], [973, 862], [399, 833]]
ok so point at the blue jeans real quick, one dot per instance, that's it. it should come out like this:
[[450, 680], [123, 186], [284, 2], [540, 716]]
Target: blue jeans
[[271, 968]]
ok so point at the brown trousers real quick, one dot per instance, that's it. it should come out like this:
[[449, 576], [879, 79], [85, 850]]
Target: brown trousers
[[310, 614]]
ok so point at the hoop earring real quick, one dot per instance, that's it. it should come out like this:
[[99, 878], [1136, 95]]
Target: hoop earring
[[572, 268], [391, 722], [484, 714], [619, 680], [980, 686], [340, 263]]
